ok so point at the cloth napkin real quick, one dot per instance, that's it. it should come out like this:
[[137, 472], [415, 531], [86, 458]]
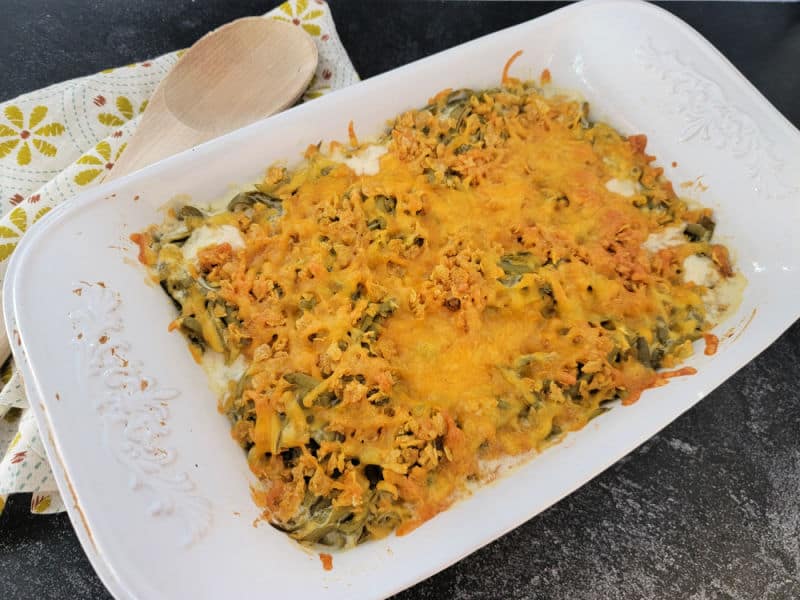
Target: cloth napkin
[[60, 140]]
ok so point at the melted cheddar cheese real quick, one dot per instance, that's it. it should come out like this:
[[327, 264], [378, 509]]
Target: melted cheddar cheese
[[485, 278]]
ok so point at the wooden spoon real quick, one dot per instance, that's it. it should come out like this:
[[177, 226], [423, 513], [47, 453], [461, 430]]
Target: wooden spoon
[[235, 75]]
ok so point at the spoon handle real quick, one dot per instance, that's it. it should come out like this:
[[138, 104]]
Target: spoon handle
[[158, 136]]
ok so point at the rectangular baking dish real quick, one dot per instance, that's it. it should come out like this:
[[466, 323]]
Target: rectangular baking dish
[[157, 491]]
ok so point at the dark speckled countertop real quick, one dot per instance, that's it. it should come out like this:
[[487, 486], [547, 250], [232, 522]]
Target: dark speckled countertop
[[709, 508]]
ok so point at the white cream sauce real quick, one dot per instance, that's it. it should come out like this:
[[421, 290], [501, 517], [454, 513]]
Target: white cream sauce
[[723, 299], [670, 236], [366, 162], [723, 294], [205, 236], [219, 374], [700, 270], [623, 187]]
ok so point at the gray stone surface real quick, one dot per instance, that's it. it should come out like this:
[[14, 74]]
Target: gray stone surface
[[709, 508]]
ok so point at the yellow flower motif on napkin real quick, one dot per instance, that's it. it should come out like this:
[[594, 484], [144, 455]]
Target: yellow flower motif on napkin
[[40, 503], [10, 236], [298, 13], [100, 159], [33, 133], [125, 111]]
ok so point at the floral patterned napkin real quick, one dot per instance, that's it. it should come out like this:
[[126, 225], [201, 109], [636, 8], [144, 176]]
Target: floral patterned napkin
[[60, 140]]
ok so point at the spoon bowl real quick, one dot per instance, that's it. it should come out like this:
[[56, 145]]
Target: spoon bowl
[[233, 76]]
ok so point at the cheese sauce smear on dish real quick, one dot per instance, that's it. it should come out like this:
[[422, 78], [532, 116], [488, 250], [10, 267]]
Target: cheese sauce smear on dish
[[388, 318]]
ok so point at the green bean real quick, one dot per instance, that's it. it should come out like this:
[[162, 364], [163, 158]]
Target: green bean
[[573, 392], [220, 331], [549, 309], [205, 286], [166, 289], [326, 400], [387, 520], [643, 351], [515, 266], [323, 435], [453, 100], [597, 412], [614, 355], [387, 204], [178, 282], [188, 211], [179, 233], [709, 225], [376, 224], [585, 122], [555, 431], [192, 325], [662, 333], [245, 200], [374, 313], [696, 232], [303, 385], [387, 307], [458, 97], [307, 303], [242, 385], [318, 521], [694, 315], [656, 356], [462, 117], [522, 363], [240, 202]]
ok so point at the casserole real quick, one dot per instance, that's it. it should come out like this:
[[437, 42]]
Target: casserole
[[155, 506], [384, 320]]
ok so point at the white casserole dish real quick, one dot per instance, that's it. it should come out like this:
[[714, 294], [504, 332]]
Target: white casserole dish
[[157, 491]]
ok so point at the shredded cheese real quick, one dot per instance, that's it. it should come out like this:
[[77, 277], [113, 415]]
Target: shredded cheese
[[385, 325]]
